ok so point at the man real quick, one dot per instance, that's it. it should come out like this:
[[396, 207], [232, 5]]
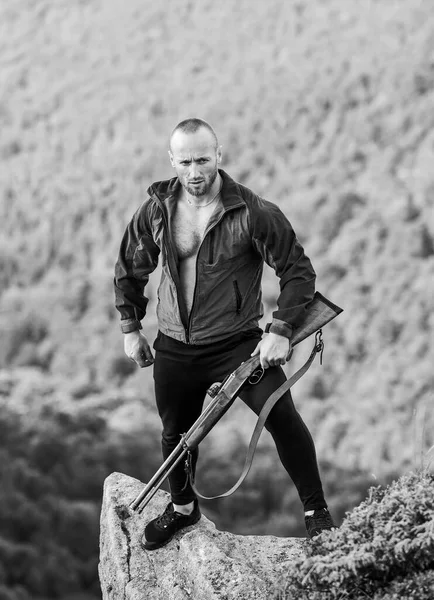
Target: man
[[213, 236]]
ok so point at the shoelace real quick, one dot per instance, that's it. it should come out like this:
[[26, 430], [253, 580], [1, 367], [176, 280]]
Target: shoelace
[[166, 518]]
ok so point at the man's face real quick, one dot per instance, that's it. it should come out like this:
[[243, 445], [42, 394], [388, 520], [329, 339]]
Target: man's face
[[195, 159]]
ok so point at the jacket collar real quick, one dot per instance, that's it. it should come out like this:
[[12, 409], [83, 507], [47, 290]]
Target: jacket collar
[[169, 189]]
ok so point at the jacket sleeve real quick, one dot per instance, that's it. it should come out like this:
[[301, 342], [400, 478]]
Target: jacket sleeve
[[274, 238], [138, 258]]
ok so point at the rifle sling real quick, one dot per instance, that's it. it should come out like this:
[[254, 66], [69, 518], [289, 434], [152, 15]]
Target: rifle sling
[[266, 409]]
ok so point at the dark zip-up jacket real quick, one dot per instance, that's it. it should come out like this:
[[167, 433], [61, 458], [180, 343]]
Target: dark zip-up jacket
[[243, 232]]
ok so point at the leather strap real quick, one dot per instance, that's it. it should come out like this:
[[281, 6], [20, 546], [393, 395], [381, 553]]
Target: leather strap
[[266, 409]]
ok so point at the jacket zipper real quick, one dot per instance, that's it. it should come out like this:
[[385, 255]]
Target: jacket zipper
[[188, 331], [238, 297]]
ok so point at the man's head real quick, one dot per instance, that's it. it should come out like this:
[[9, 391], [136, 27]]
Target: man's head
[[195, 153]]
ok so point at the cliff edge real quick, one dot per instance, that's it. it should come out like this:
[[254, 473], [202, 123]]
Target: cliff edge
[[199, 563]]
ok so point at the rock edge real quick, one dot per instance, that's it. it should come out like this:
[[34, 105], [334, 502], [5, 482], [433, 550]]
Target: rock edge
[[199, 563]]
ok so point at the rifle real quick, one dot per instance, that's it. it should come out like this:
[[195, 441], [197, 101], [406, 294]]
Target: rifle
[[319, 312]]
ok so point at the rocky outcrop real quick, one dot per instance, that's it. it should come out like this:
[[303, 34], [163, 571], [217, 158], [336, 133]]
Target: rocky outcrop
[[200, 563]]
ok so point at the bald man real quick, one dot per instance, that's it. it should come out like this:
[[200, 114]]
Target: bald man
[[213, 236]]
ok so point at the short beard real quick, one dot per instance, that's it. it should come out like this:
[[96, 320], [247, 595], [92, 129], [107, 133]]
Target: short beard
[[195, 192]]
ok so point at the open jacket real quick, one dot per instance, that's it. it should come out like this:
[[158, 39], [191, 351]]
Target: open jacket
[[243, 232]]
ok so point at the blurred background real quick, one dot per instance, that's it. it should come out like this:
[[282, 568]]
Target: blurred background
[[325, 107]]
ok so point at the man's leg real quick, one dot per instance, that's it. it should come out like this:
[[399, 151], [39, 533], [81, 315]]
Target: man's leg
[[182, 375], [179, 407], [293, 440], [179, 394]]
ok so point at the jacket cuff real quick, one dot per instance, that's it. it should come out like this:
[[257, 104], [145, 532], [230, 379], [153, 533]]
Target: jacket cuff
[[280, 328], [128, 325]]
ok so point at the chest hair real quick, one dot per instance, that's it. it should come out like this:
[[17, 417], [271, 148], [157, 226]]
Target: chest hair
[[188, 229]]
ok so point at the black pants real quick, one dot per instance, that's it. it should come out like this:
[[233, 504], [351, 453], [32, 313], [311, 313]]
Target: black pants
[[182, 375]]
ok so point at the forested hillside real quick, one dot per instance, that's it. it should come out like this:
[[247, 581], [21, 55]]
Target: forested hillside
[[325, 107]]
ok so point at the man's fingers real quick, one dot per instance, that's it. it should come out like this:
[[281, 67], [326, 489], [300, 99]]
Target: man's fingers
[[145, 358], [274, 351], [143, 362], [273, 362], [142, 359], [136, 359]]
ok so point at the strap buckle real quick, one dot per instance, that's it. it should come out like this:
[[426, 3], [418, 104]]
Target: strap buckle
[[319, 344], [188, 468]]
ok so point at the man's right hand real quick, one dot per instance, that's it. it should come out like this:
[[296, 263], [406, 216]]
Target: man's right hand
[[136, 347]]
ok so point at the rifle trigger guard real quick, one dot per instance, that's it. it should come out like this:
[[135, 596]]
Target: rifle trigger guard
[[256, 376]]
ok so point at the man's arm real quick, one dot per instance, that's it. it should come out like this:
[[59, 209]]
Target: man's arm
[[138, 258], [275, 239]]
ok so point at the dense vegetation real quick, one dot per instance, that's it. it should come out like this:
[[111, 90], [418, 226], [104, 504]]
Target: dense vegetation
[[384, 549], [53, 461], [326, 108]]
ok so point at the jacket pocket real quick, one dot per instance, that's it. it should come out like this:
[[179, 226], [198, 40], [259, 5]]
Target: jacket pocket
[[238, 297]]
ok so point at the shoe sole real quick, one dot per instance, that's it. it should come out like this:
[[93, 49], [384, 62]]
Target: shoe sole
[[148, 546]]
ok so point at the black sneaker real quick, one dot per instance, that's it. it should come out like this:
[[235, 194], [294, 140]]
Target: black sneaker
[[161, 530], [318, 522]]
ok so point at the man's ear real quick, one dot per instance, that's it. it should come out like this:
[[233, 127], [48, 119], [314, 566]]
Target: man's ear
[[219, 154], [171, 158]]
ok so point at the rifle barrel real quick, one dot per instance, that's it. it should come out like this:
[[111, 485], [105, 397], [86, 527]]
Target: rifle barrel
[[167, 467], [149, 495]]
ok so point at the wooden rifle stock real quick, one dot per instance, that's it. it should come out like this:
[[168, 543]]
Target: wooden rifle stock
[[318, 313]]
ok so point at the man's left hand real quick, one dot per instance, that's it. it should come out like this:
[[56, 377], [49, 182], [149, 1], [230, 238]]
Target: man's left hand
[[273, 350]]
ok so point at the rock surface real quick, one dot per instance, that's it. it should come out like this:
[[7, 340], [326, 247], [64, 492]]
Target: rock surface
[[200, 563]]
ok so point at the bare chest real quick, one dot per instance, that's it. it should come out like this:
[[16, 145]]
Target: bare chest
[[188, 230]]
